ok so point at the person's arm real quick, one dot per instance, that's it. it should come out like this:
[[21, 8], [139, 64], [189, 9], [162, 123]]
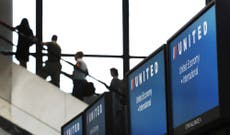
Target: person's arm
[[67, 75], [7, 25], [44, 43], [14, 28], [32, 38]]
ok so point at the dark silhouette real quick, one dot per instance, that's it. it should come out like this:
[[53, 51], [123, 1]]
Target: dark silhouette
[[116, 83], [52, 66], [25, 40], [90, 96], [117, 88]]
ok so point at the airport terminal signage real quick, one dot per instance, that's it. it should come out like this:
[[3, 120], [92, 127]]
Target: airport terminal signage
[[147, 97], [74, 127], [95, 118], [193, 70]]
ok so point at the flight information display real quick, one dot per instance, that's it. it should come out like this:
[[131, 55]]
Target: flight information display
[[74, 127], [95, 118], [193, 69], [147, 97]]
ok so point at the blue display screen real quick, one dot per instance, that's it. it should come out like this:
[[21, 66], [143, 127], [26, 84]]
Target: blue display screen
[[74, 127], [147, 97], [95, 118], [193, 69]]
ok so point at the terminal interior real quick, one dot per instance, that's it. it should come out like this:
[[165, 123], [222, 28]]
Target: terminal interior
[[32, 105]]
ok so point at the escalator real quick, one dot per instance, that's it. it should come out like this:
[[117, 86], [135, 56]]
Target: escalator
[[9, 128], [30, 104]]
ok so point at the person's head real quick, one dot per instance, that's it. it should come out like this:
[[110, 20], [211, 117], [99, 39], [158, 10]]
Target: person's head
[[24, 22], [79, 55], [114, 72], [54, 38]]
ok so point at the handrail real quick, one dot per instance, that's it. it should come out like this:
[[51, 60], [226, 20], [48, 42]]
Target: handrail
[[62, 72], [12, 44], [12, 28], [6, 40], [7, 25], [37, 41]]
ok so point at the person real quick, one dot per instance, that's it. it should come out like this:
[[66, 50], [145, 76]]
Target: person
[[117, 88], [116, 83], [82, 89], [79, 76], [90, 95], [52, 66], [25, 40]]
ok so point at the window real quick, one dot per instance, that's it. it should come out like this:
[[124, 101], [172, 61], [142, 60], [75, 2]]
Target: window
[[91, 26], [152, 22], [95, 27]]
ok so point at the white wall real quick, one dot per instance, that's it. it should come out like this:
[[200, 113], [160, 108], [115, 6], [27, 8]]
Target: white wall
[[5, 78], [5, 68], [5, 16]]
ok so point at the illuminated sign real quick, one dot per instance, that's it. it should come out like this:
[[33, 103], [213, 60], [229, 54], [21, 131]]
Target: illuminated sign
[[95, 118], [147, 97], [193, 70], [74, 127]]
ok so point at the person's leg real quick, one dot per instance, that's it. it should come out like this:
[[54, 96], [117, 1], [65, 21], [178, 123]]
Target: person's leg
[[44, 72], [55, 76], [55, 79], [23, 63], [78, 89]]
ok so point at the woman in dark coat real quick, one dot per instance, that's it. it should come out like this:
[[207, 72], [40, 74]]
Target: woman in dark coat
[[25, 40]]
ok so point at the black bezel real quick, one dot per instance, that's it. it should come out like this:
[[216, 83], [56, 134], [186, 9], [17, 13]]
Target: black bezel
[[219, 115], [108, 112], [76, 117]]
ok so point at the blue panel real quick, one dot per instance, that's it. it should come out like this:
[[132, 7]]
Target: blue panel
[[194, 76], [147, 97], [74, 127], [95, 118]]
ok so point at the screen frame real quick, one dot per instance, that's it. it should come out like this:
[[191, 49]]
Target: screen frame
[[191, 21], [76, 117], [210, 116], [108, 112], [168, 112]]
